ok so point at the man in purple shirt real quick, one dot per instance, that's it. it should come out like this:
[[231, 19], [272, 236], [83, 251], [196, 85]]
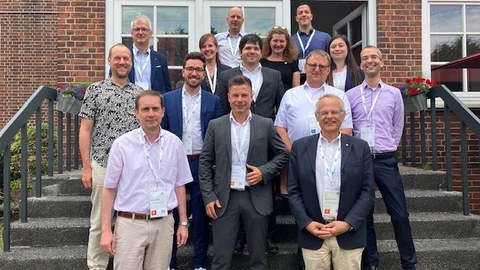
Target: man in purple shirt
[[377, 113]]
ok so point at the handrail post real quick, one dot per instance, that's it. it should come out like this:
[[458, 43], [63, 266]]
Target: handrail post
[[24, 174], [6, 198], [463, 151]]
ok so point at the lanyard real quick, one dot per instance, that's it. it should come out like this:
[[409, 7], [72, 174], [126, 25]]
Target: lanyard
[[304, 48], [364, 103], [239, 144], [214, 83], [149, 158], [329, 170], [311, 101], [141, 70], [233, 51], [187, 115]]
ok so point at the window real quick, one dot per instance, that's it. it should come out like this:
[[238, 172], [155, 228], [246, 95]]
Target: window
[[455, 33]]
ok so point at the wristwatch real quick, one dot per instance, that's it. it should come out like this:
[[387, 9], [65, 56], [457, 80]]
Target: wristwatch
[[185, 223]]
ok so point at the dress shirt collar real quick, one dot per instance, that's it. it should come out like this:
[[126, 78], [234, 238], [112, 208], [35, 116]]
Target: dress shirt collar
[[185, 93], [137, 51], [307, 87], [232, 119], [144, 135], [380, 85], [245, 70], [324, 140], [306, 34]]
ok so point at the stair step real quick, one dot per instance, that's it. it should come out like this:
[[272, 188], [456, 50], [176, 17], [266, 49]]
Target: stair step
[[50, 232], [59, 206], [426, 201], [415, 178]]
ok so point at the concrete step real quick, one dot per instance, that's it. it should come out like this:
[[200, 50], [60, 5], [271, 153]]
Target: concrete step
[[415, 178], [424, 226], [59, 206], [50, 232], [68, 183], [42, 258]]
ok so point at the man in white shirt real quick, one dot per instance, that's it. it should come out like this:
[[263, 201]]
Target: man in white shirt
[[228, 51]]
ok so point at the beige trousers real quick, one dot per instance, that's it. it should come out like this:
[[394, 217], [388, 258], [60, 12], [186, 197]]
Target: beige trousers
[[322, 258]]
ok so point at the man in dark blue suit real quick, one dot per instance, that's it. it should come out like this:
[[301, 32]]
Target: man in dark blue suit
[[187, 113], [331, 201], [149, 68]]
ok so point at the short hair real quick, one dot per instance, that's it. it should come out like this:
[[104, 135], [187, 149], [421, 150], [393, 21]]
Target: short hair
[[303, 4], [290, 53], [340, 100], [141, 17], [239, 80], [148, 93], [118, 45], [321, 53], [349, 62], [250, 38], [373, 47], [230, 9], [194, 56]]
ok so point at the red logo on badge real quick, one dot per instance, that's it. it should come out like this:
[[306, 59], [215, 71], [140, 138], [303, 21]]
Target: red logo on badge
[[327, 211], [153, 212]]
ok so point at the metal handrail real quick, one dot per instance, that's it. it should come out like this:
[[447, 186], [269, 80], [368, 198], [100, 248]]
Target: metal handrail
[[452, 104], [33, 107]]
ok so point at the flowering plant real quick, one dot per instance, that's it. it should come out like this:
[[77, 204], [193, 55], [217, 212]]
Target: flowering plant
[[76, 91], [416, 86]]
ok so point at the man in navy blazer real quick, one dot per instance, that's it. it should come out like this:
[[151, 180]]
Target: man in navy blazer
[[188, 110], [330, 200], [149, 68]]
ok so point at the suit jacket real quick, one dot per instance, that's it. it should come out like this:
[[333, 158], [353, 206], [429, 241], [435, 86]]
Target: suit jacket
[[268, 98], [159, 79], [266, 151], [356, 191], [206, 85], [173, 118]]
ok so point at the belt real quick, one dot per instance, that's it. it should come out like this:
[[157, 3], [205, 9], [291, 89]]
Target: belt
[[193, 157], [136, 216], [383, 155]]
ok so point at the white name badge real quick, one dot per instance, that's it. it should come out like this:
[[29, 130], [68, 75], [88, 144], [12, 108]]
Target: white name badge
[[158, 202], [187, 140], [313, 125], [330, 200], [367, 133], [239, 174], [301, 65], [144, 86]]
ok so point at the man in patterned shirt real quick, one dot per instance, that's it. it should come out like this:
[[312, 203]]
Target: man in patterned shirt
[[108, 111]]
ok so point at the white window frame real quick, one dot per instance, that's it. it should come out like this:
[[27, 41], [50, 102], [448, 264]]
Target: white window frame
[[471, 99]]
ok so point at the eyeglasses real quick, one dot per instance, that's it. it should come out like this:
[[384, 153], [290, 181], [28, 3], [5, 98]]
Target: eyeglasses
[[140, 29], [326, 113], [314, 66], [373, 57], [192, 69]]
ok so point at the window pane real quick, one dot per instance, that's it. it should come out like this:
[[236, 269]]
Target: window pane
[[452, 78], [473, 79], [473, 44], [129, 12], [259, 20], [445, 48], [445, 18], [218, 19], [473, 18], [172, 20], [174, 49], [176, 79]]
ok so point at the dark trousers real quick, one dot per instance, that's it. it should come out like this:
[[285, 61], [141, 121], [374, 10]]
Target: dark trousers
[[390, 185], [199, 222], [224, 230]]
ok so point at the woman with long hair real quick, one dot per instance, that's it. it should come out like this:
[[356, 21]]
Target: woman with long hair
[[344, 72]]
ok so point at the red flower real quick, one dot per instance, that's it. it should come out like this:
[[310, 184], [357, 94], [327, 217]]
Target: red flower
[[416, 86]]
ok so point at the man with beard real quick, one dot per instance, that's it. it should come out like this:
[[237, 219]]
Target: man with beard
[[149, 68], [108, 111], [188, 111], [228, 41]]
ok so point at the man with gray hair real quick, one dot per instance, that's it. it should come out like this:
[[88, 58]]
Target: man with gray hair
[[149, 68], [228, 51]]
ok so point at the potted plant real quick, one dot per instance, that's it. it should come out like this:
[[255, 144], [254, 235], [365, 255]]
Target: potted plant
[[70, 97], [415, 93]]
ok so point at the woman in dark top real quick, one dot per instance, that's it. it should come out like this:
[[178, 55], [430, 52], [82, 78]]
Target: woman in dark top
[[280, 53], [345, 73], [209, 48]]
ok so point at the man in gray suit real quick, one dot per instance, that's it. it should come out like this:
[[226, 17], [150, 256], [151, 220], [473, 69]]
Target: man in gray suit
[[267, 83], [241, 154]]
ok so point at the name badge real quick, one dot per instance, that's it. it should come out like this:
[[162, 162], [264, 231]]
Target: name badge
[[367, 133], [158, 202], [313, 125], [187, 140], [239, 174], [301, 65], [143, 85], [330, 200]]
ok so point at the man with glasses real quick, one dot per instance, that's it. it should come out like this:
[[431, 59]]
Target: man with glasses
[[378, 118], [307, 38], [188, 111], [330, 189], [228, 42], [149, 68]]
